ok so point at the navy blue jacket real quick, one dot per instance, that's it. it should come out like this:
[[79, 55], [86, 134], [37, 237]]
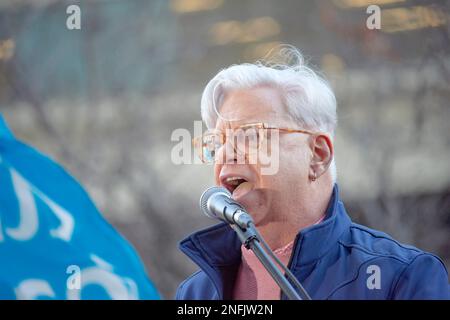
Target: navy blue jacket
[[336, 259]]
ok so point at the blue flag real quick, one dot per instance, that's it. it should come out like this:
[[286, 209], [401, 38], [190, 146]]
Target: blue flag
[[54, 244]]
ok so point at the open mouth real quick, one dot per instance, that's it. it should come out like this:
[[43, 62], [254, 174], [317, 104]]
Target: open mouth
[[232, 183]]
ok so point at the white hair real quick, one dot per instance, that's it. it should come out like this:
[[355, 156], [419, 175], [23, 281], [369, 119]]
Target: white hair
[[307, 96]]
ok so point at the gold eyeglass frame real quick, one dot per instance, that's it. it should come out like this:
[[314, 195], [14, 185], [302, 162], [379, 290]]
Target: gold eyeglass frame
[[198, 141]]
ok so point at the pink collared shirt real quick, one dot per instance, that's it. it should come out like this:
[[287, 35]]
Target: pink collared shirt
[[253, 282]]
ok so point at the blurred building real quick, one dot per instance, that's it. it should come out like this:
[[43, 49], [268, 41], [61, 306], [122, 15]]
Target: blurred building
[[104, 101]]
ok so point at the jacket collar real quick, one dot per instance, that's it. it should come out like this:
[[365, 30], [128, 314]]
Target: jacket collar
[[217, 248]]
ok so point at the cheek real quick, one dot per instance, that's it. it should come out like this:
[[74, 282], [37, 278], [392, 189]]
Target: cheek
[[294, 164]]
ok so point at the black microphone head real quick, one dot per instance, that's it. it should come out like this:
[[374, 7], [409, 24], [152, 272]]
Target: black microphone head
[[205, 197]]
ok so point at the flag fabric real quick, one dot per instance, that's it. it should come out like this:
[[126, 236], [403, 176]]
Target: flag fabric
[[54, 243]]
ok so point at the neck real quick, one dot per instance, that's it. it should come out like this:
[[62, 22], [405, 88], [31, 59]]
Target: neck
[[278, 234], [281, 231]]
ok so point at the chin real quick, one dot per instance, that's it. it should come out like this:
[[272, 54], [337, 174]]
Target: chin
[[261, 220], [258, 213], [257, 203]]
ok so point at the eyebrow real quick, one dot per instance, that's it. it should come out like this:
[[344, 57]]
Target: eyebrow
[[238, 123]]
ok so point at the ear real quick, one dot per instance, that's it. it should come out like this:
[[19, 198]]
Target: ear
[[322, 154]]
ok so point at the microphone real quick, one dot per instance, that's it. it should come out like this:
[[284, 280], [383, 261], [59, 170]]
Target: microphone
[[216, 203]]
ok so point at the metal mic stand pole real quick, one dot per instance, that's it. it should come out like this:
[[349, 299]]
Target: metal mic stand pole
[[249, 238]]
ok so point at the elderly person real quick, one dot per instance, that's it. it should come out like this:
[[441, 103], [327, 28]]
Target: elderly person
[[296, 208]]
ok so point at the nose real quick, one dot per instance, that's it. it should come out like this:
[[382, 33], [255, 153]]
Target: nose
[[228, 153]]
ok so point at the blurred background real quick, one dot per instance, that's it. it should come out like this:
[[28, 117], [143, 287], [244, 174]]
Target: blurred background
[[104, 100]]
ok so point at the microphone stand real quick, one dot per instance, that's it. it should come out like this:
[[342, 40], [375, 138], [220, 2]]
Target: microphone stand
[[251, 239]]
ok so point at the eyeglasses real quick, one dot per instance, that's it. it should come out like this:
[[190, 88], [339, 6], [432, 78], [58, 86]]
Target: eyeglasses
[[247, 139]]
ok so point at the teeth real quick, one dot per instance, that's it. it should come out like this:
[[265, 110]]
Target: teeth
[[234, 180]]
